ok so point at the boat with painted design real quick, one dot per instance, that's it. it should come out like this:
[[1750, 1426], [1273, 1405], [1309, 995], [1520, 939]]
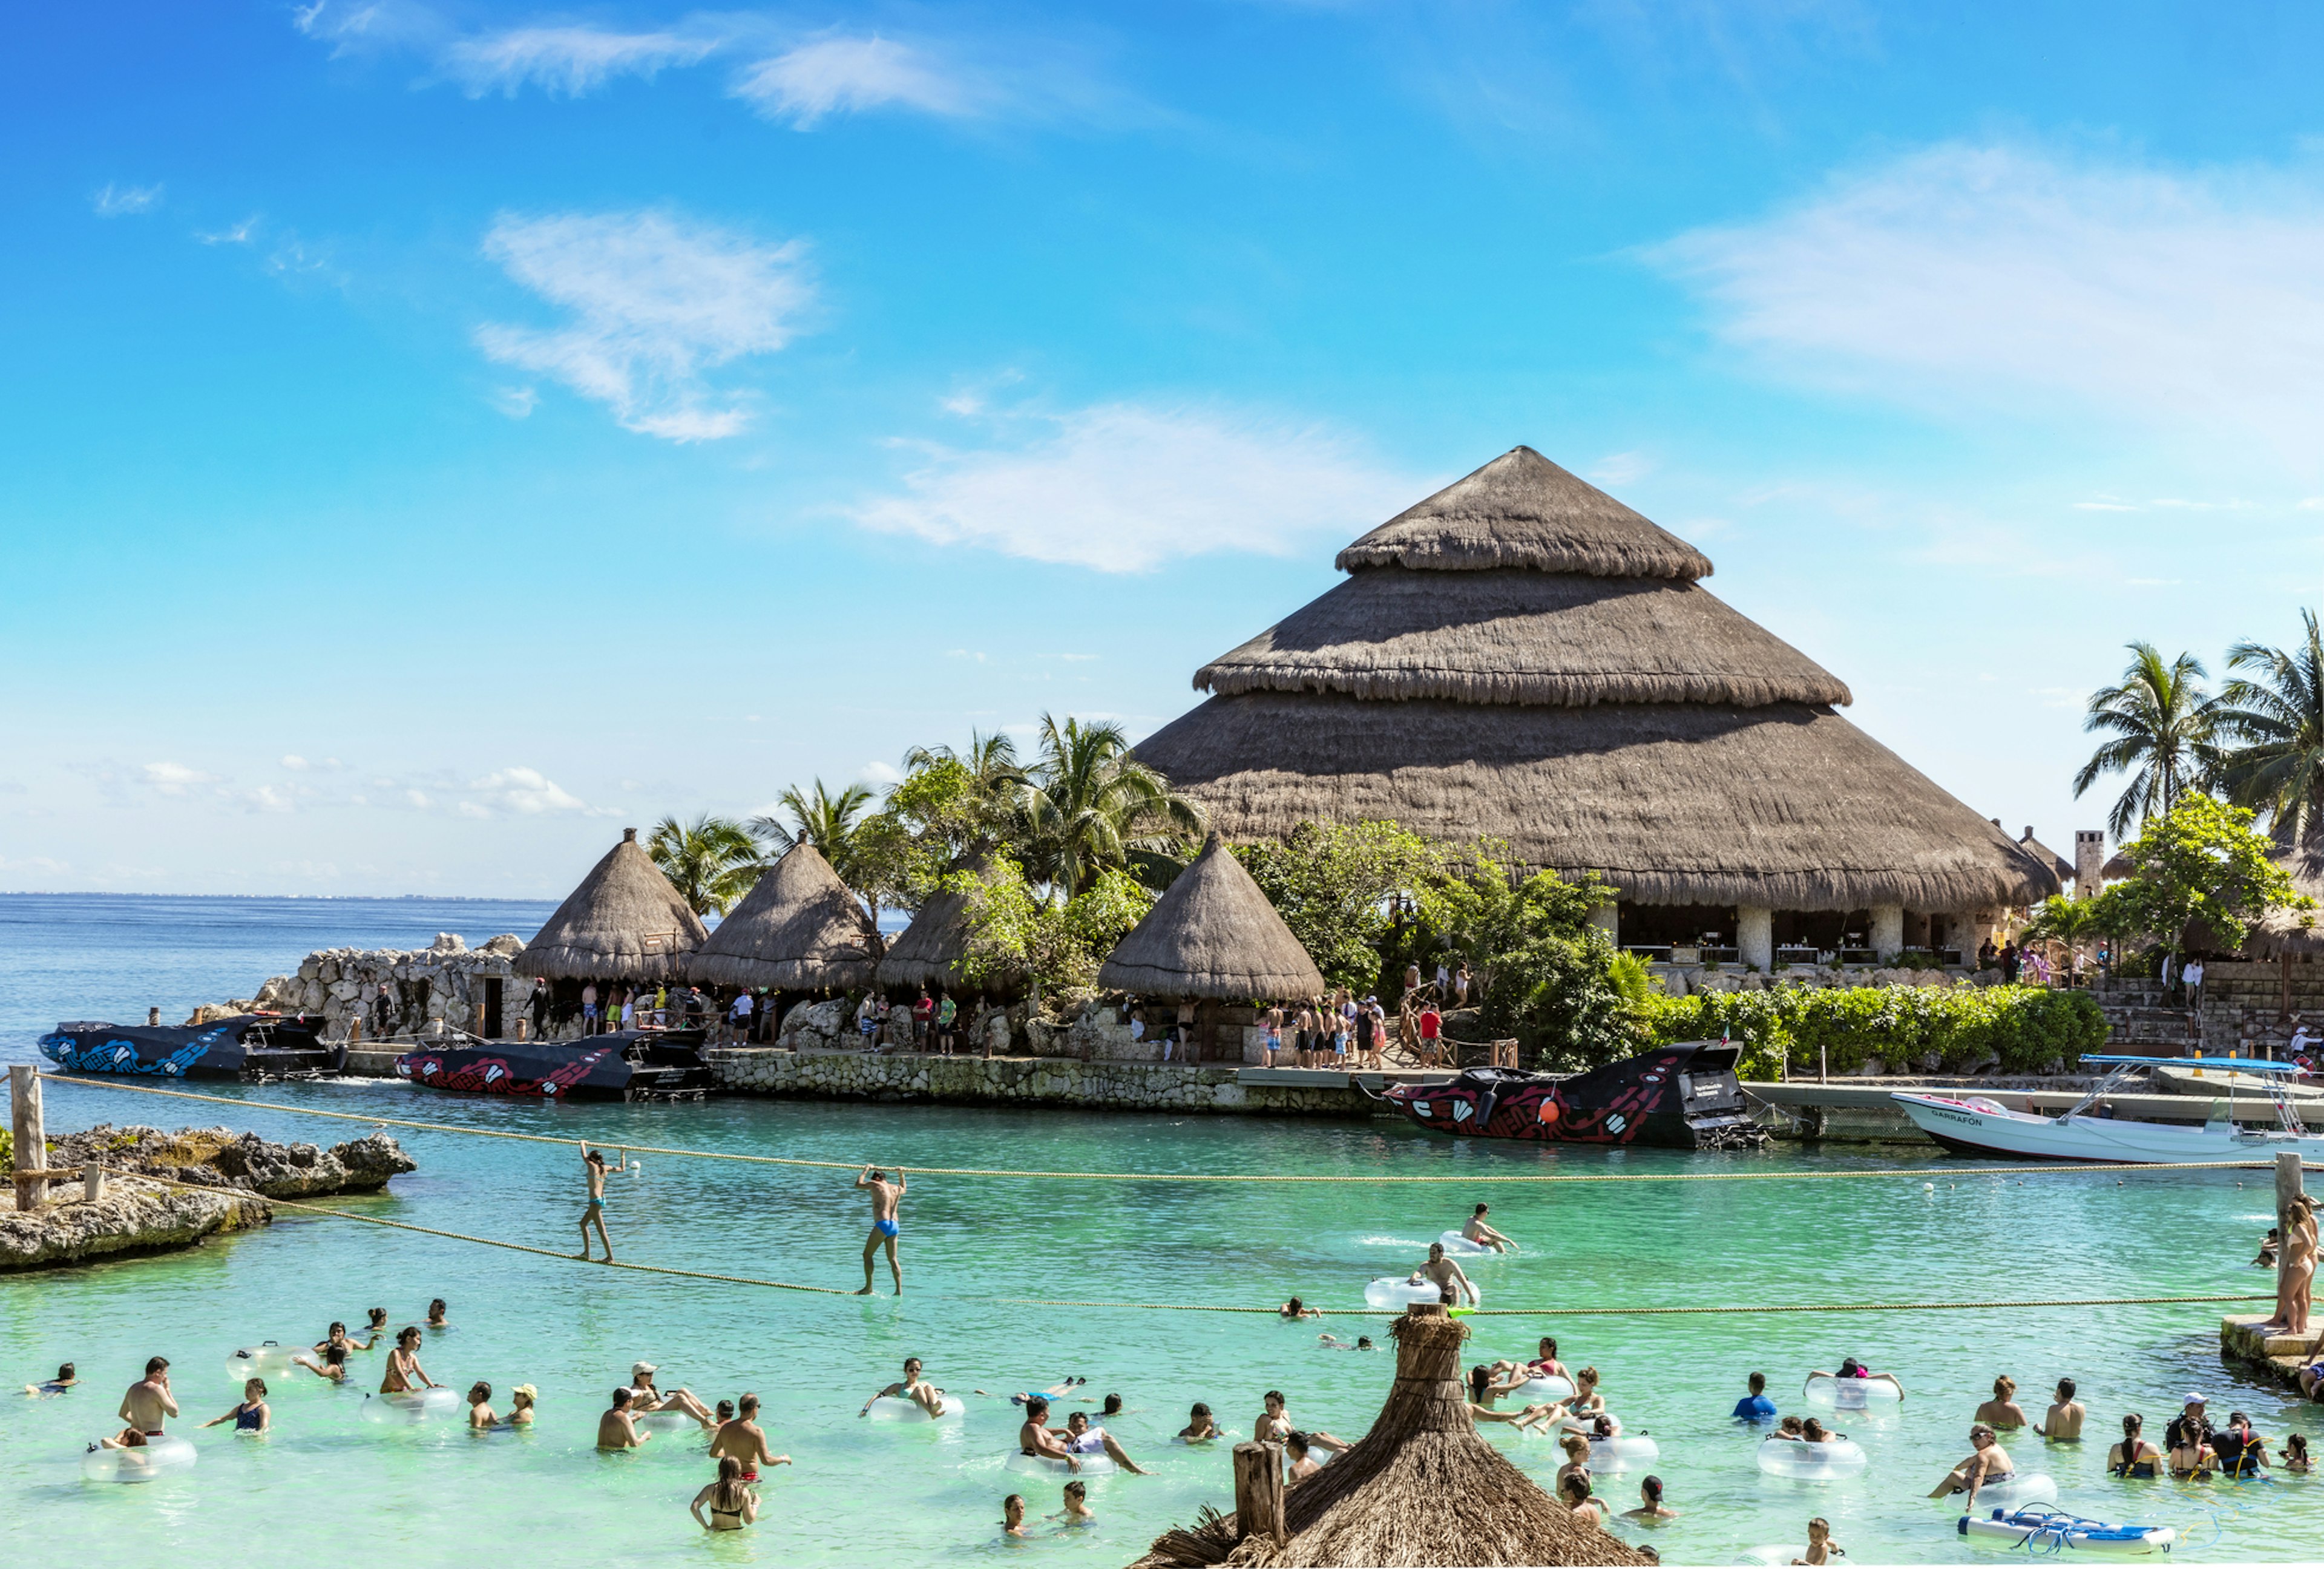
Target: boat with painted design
[[248, 1045], [1682, 1096], [629, 1065]]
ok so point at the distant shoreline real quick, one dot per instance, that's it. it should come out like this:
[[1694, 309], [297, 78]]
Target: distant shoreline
[[301, 898]]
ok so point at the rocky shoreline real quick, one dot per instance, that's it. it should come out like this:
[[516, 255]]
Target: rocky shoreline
[[229, 1180]]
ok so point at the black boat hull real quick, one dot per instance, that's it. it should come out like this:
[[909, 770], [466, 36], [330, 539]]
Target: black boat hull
[[1677, 1097], [631, 1064], [248, 1045]]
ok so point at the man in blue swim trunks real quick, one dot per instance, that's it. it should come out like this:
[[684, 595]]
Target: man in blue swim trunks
[[592, 1163], [885, 1196]]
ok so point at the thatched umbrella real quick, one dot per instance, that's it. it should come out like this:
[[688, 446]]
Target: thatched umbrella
[[1523, 658], [798, 929], [625, 922], [1213, 934], [927, 952], [1421, 1488]]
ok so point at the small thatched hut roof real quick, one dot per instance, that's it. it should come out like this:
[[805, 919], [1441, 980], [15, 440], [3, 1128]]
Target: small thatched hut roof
[[2059, 867], [625, 922], [2293, 934], [1523, 658], [2117, 867], [799, 928], [927, 952], [1213, 934], [1422, 1487]]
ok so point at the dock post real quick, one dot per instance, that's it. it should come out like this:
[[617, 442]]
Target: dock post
[[1258, 1493], [92, 1183], [31, 1136]]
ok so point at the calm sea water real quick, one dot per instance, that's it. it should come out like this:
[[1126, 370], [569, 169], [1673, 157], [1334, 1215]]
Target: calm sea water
[[327, 1487]]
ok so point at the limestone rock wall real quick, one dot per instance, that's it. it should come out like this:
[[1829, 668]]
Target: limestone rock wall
[[855, 1075], [397, 991]]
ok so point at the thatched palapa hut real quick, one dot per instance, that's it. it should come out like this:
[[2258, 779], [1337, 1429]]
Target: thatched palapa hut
[[798, 929], [1522, 658], [1422, 1487], [927, 952], [625, 922], [1213, 934]]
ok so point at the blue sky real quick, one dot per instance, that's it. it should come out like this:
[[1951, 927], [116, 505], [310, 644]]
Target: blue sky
[[438, 436]]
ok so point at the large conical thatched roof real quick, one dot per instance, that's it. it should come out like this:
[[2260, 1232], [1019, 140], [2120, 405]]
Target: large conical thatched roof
[[927, 952], [2058, 866], [798, 929], [625, 922], [1213, 934], [1421, 1488], [1523, 658]]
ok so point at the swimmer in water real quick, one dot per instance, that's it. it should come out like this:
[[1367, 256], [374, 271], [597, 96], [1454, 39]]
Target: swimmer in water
[[1987, 1464], [2002, 1413], [336, 1335], [1295, 1309], [251, 1415], [375, 1328], [1033, 1437], [911, 1387], [1651, 1509], [1575, 1489], [403, 1365], [1447, 1277], [594, 1168], [732, 1503], [1300, 1462], [1852, 1369], [1012, 1514], [521, 1400], [1082, 1438], [744, 1441], [149, 1400], [1476, 1230], [437, 1315], [1274, 1425], [481, 1414], [65, 1380], [1333, 1343], [645, 1398], [1058, 1390], [616, 1429], [1822, 1548], [1077, 1512], [1200, 1428], [887, 1198], [2062, 1422], [1483, 1391], [334, 1365]]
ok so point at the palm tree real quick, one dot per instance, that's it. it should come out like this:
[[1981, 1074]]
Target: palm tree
[[2071, 921], [991, 761], [712, 862], [1089, 805], [828, 822], [2162, 725], [2275, 722]]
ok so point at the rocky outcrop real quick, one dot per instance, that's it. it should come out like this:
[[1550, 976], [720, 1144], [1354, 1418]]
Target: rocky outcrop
[[394, 991], [232, 1175]]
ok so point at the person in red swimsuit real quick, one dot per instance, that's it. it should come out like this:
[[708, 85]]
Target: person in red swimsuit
[[744, 1441]]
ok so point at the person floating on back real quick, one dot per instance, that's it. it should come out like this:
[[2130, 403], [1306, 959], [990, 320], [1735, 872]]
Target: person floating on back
[[1485, 1236]]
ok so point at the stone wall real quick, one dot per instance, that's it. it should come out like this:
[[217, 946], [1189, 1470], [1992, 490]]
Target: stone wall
[[1693, 980], [426, 990], [1017, 1081]]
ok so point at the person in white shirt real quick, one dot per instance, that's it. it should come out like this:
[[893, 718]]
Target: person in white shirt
[[739, 1017], [2192, 977]]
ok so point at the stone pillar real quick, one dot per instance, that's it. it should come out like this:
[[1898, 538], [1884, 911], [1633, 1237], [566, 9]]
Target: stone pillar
[[1887, 931], [1608, 919], [2089, 861], [1755, 935], [30, 1135]]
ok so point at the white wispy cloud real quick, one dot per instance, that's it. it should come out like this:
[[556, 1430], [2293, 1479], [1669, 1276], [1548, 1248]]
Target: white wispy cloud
[[175, 779], [656, 304], [849, 75], [240, 233], [528, 792], [516, 403], [1998, 275], [568, 59], [120, 200], [1124, 487], [361, 26], [878, 772]]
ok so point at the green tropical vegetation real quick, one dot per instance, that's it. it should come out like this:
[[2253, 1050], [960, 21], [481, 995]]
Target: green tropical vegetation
[[1909, 1028], [712, 862], [2201, 867], [2271, 715], [1086, 807], [2162, 727], [1016, 934]]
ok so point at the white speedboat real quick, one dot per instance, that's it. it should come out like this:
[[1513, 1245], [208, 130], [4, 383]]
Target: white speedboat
[[1978, 1125]]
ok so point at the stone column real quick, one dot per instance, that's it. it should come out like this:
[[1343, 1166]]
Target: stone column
[[1887, 931], [1755, 935], [1608, 919], [2089, 858]]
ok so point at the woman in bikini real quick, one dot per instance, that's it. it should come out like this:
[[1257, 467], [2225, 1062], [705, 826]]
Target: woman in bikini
[[2296, 1276], [2003, 1414], [731, 1505], [1483, 1391], [2135, 1458], [334, 1365], [404, 1374]]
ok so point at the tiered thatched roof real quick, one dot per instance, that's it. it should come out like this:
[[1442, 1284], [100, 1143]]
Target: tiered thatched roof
[[1521, 657], [625, 922], [2058, 866], [797, 930], [1213, 934], [927, 952], [1422, 1487]]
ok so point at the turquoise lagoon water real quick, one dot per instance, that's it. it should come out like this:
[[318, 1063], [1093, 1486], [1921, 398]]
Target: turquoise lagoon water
[[327, 1487]]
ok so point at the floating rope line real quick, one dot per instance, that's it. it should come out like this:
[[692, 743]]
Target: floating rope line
[[1367, 1178], [1216, 1308]]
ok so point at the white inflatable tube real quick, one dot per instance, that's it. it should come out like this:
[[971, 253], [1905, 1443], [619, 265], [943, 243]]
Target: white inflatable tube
[[1574, 1422], [2024, 1487], [1396, 1291], [1457, 1246], [1611, 1455], [1775, 1556], [268, 1360], [1826, 1462], [670, 1421], [1091, 1464], [1544, 1387], [2043, 1530], [1851, 1394], [896, 1408], [414, 1406], [158, 1457]]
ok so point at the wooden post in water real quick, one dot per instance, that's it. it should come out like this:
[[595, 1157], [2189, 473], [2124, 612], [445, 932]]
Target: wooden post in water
[[1258, 1493], [31, 1136]]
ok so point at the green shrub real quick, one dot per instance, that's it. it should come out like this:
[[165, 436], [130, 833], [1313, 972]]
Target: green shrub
[[2027, 1027]]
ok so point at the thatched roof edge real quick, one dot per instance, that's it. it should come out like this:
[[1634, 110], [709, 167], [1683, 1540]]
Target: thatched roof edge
[[1214, 935]]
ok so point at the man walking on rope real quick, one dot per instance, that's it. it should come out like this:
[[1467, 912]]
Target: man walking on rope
[[593, 1164], [885, 1197]]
